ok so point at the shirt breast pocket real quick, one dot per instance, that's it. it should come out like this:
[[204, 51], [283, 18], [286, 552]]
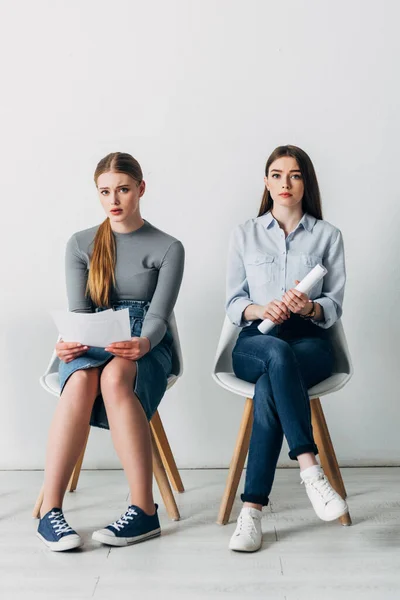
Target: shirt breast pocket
[[259, 268], [307, 263]]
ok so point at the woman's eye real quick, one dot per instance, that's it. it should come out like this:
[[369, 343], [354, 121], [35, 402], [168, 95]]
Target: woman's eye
[[124, 190], [104, 192], [275, 175], [296, 176]]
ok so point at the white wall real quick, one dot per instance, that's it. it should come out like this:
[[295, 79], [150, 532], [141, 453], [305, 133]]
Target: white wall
[[200, 92]]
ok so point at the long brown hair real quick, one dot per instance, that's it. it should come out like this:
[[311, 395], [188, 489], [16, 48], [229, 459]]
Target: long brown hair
[[311, 199], [101, 279]]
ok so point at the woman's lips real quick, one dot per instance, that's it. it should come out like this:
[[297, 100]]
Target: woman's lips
[[285, 195], [116, 211]]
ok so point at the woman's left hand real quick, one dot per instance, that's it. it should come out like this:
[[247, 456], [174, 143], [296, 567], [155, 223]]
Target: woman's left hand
[[132, 350], [297, 302]]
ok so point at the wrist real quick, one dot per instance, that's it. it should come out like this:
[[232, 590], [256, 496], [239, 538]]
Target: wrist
[[252, 312], [258, 311], [310, 310], [147, 344]]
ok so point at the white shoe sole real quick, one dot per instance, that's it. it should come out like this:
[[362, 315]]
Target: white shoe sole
[[237, 549], [62, 544], [111, 540], [239, 545], [333, 517]]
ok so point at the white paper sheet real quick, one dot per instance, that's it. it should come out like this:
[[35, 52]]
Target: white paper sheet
[[93, 329]]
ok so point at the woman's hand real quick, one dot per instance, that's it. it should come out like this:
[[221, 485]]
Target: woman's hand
[[297, 302], [132, 350], [67, 351], [276, 311]]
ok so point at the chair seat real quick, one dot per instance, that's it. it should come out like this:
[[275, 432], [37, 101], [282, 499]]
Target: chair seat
[[51, 382], [243, 388]]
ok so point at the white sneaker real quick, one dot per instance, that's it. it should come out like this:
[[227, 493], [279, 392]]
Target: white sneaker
[[326, 502], [248, 534]]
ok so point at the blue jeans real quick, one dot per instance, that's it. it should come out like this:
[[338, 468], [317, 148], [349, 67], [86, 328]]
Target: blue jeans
[[283, 364]]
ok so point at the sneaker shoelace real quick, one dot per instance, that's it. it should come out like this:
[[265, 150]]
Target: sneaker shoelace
[[59, 523], [124, 520], [246, 525], [321, 484]]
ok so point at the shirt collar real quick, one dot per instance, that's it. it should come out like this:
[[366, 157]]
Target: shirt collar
[[307, 221]]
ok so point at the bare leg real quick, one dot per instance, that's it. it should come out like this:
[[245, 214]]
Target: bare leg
[[67, 434], [306, 460], [252, 505], [129, 429]]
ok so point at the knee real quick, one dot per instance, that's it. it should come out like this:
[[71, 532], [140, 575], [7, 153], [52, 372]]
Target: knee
[[85, 379], [82, 388], [280, 354], [115, 376]]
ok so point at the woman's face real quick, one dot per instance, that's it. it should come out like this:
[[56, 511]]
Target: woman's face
[[119, 195], [285, 182]]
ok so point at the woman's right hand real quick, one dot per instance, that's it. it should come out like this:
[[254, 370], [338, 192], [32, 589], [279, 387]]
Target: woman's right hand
[[276, 311], [67, 351]]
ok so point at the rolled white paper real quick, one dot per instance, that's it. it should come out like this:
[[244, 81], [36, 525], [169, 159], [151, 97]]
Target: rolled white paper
[[305, 285]]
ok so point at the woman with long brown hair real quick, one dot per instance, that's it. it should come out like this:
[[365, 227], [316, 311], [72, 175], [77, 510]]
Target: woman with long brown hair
[[124, 263], [268, 256]]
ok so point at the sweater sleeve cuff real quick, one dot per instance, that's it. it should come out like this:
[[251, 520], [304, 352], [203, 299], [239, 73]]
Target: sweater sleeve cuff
[[154, 330]]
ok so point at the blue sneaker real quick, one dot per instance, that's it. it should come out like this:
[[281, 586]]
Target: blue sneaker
[[133, 527], [55, 532]]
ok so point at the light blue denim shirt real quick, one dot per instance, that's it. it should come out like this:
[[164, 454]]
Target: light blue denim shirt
[[263, 265]]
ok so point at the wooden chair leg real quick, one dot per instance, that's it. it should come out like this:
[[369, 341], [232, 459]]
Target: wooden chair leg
[[327, 453], [73, 482], [163, 483], [165, 452], [237, 463], [38, 504], [345, 520]]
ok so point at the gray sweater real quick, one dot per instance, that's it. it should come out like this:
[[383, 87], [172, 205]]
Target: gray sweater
[[149, 266]]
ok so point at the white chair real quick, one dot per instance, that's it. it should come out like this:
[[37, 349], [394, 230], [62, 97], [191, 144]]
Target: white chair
[[223, 375], [163, 459]]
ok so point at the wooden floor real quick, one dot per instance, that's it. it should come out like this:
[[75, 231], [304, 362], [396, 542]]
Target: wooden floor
[[301, 558]]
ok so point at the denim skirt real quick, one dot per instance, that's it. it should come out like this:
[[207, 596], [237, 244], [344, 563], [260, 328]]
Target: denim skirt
[[152, 370]]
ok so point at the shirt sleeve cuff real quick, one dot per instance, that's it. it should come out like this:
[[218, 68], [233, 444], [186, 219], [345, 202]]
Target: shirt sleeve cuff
[[236, 310], [330, 313]]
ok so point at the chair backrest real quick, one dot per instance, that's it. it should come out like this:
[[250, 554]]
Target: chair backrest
[[343, 362], [177, 360], [227, 341], [229, 334]]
